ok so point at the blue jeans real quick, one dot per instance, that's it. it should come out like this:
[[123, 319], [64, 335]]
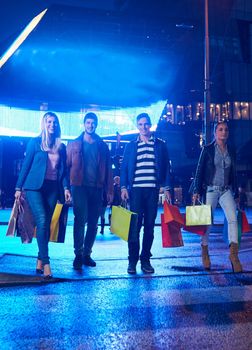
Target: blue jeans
[[144, 202], [227, 202], [87, 204], [42, 204]]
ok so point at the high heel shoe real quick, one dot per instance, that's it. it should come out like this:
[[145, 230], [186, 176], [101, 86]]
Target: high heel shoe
[[39, 267], [47, 272], [48, 277], [234, 259]]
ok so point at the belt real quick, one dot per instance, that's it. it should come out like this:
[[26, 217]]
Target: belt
[[218, 188]]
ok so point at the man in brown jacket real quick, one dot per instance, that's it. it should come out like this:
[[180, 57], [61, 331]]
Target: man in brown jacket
[[90, 169]]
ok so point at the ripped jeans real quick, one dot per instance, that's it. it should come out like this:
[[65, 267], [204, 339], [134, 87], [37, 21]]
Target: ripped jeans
[[227, 203]]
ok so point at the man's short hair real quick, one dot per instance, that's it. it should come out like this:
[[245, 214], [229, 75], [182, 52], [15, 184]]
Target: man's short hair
[[91, 115], [143, 115]]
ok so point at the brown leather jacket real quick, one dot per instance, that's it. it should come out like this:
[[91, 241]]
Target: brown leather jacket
[[75, 164]]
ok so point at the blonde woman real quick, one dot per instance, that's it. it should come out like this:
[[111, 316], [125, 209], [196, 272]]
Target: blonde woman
[[43, 177]]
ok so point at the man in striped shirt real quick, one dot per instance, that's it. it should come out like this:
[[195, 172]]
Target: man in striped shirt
[[145, 168]]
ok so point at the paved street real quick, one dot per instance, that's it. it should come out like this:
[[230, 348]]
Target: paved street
[[181, 306]]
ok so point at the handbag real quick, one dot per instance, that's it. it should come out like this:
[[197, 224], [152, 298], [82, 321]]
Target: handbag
[[59, 223], [172, 213], [12, 224], [198, 215], [123, 223], [171, 234]]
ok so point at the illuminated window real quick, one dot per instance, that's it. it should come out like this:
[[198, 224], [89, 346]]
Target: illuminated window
[[22, 122]]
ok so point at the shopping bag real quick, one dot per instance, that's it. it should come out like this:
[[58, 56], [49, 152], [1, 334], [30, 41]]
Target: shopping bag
[[59, 223], [239, 226], [239, 223], [197, 215], [245, 225], [25, 227], [123, 223], [171, 234], [25, 222], [12, 224], [225, 231], [199, 230], [172, 214]]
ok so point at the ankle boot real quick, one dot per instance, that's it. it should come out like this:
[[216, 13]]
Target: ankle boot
[[205, 257], [233, 257]]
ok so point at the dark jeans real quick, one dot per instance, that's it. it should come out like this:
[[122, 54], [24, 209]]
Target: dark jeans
[[87, 204], [144, 202], [42, 204]]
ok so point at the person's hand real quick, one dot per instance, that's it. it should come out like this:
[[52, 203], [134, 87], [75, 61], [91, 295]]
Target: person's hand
[[124, 194], [167, 195], [68, 197], [195, 198], [18, 195]]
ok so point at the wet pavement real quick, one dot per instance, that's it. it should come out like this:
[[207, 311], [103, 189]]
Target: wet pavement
[[181, 306]]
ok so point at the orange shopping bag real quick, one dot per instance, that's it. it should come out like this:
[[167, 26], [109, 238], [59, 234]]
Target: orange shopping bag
[[172, 214], [171, 234]]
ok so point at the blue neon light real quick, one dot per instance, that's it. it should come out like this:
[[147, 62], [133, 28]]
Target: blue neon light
[[26, 123]]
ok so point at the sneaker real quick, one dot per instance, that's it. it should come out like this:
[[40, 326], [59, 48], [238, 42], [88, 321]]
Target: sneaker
[[88, 261], [77, 263], [131, 269], [146, 267]]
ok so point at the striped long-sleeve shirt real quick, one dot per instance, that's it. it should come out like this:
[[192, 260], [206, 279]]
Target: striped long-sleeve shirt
[[145, 172]]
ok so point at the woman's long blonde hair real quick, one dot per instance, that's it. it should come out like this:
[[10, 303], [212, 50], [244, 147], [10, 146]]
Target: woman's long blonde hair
[[47, 143]]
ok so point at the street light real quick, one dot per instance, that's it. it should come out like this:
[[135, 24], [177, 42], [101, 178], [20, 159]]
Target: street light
[[207, 131]]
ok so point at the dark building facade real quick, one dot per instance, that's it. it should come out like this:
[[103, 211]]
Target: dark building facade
[[133, 53]]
